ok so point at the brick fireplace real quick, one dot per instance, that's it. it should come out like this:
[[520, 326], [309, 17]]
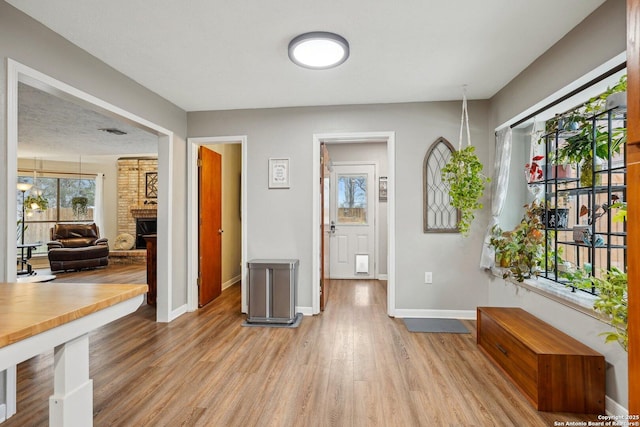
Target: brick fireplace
[[146, 223], [137, 196]]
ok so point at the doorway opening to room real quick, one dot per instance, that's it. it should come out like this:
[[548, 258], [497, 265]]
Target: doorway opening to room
[[216, 218], [26, 83], [355, 213]]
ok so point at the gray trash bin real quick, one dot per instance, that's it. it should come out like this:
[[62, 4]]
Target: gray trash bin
[[272, 290]]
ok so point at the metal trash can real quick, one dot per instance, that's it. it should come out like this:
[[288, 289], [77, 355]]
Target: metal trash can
[[272, 290]]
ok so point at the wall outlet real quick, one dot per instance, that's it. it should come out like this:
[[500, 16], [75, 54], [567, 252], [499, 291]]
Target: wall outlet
[[428, 277]]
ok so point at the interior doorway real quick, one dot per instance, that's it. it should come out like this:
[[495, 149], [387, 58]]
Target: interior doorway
[[18, 73], [233, 153], [354, 148]]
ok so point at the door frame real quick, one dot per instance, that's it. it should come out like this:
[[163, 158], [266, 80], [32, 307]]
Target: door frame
[[354, 137], [192, 214], [376, 203], [20, 73]]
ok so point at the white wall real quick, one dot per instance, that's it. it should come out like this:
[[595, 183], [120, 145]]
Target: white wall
[[376, 152], [596, 40], [280, 220]]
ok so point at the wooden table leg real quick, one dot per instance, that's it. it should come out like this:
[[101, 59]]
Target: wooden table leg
[[72, 401]]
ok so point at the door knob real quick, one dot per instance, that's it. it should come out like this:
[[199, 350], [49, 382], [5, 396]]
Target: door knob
[[220, 231]]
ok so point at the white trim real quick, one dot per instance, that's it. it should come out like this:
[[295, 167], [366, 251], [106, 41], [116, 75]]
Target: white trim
[[570, 103], [231, 282], [436, 314], [17, 72], [306, 311], [612, 407], [382, 277], [192, 214], [351, 137], [177, 312]]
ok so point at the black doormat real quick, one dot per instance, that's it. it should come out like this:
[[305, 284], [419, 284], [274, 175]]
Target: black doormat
[[443, 326]]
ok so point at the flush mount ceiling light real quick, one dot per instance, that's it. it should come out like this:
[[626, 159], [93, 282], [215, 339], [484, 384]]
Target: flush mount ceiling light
[[318, 50]]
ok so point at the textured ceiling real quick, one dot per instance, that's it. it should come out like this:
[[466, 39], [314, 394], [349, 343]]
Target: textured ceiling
[[54, 129]]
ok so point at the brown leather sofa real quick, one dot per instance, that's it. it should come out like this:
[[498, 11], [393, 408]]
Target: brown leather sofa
[[77, 246]]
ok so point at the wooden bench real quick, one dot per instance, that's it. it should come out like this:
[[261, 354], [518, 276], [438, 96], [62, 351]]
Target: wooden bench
[[553, 370]]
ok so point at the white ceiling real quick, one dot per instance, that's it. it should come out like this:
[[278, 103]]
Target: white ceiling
[[216, 55]]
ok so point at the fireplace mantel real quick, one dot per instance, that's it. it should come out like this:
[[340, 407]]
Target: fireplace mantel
[[145, 212]]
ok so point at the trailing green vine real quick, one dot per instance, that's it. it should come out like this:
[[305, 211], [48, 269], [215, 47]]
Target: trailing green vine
[[463, 175], [611, 301]]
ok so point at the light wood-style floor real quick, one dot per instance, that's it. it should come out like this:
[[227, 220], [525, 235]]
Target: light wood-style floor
[[350, 366]]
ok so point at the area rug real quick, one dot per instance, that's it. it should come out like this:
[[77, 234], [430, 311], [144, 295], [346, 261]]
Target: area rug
[[442, 326], [295, 323]]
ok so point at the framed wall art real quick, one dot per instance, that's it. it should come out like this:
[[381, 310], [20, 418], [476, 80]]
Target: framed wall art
[[279, 174], [382, 189], [151, 185]]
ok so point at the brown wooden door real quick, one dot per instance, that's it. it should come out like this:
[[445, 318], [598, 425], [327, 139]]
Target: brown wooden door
[[210, 228], [633, 201]]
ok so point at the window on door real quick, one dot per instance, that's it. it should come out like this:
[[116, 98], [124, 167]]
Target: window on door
[[352, 199]]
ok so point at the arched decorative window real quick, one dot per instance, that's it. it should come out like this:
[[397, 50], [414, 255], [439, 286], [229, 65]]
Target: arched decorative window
[[438, 214]]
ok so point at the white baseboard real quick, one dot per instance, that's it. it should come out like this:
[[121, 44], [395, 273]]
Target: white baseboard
[[437, 314], [306, 311], [231, 282], [614, 408], [383, 277], [174, 314], [3, 412]]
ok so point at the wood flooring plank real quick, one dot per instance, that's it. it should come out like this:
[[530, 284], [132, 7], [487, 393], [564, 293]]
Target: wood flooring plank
[[350, 366]]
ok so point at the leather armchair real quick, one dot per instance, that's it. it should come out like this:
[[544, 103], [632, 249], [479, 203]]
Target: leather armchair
[[77, 246]]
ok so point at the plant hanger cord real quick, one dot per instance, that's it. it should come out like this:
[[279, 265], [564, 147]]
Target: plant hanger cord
[[464, 119]]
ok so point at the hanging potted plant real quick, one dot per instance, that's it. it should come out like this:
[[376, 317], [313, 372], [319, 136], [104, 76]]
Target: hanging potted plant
[[463, 175], [79, 206], [36, 203]]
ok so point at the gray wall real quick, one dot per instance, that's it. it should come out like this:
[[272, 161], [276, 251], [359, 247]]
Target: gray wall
[[280, 222], [30, 43], [596, 40]]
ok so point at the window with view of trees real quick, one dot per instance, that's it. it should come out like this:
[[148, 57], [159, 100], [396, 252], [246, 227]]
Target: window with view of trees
[[352, 199], [64, 198]]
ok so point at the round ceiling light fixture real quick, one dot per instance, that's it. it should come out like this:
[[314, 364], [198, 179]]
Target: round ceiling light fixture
[[318, 50]]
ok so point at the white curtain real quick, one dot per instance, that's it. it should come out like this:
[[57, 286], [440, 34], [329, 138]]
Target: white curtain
[[499, 186], [98, 209]]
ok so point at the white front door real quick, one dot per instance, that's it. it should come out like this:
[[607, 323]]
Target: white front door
[[352, 246]]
